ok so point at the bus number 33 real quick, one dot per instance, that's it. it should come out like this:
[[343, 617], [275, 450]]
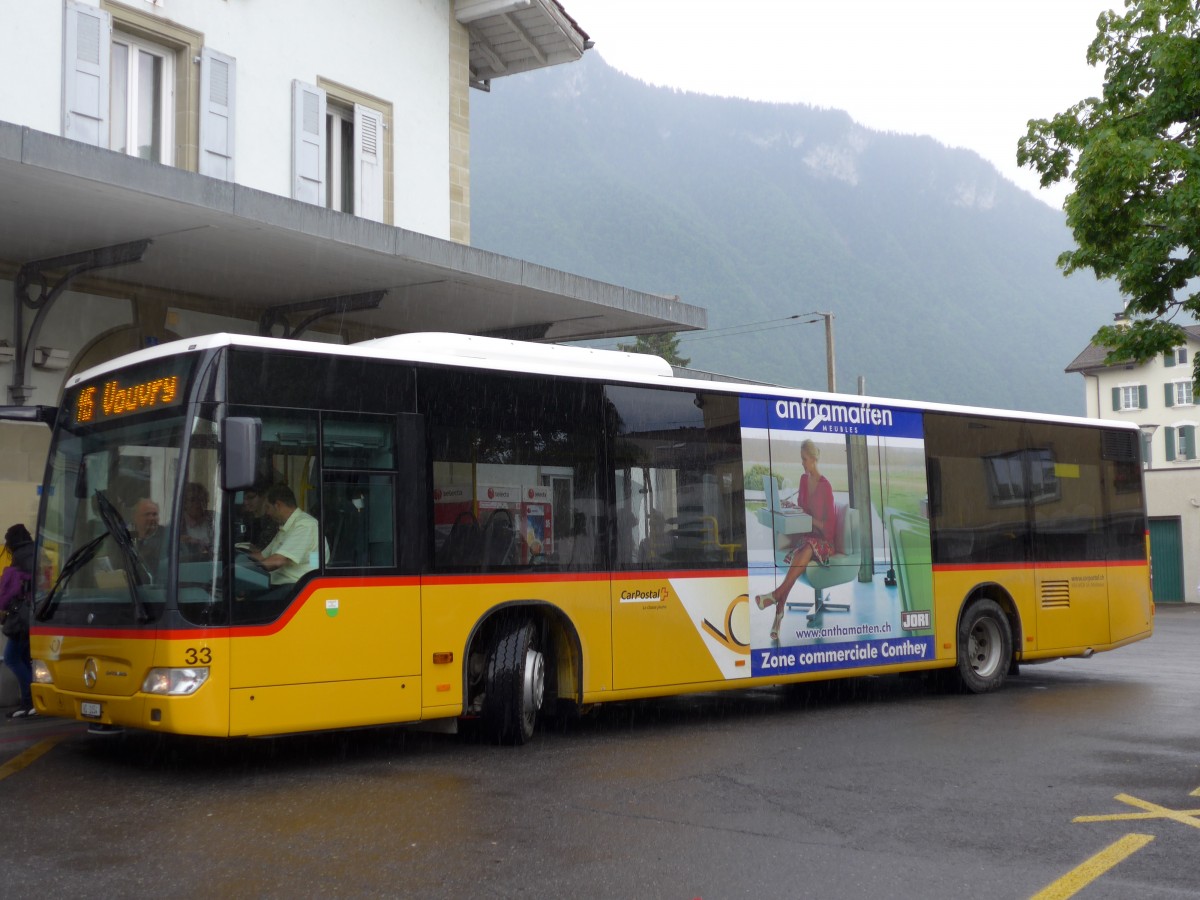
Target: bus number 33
[[197, 656]]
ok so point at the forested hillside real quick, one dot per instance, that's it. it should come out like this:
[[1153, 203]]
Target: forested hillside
[[939, 272]]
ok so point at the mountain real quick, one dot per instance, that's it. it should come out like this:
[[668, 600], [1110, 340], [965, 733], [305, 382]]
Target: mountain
[[940, 273]]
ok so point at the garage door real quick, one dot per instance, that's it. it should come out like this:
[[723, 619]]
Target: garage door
[[1166, 559]]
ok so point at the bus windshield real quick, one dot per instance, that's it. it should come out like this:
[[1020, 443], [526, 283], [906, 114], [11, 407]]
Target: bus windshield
[[101, 482]]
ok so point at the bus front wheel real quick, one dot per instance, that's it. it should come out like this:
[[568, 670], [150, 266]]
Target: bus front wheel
[[515, 683], [984, 647]]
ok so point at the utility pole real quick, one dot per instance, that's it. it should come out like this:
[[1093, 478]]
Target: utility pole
[[828, 317], [830, 367]]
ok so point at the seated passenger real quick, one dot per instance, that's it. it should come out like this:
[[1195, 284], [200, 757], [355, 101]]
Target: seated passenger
[[147, 537], [196, 524], [145, 521], [256, 527], [292, 553]]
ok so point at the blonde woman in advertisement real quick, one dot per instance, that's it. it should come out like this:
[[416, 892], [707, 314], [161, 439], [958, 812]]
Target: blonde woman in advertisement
[[815, 497]]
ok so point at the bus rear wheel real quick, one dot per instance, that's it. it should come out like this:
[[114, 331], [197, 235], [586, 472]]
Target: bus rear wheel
[[984, 647], [515, 683]]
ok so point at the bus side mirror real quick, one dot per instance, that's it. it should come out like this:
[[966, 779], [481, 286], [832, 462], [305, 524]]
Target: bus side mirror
[[242, 438]]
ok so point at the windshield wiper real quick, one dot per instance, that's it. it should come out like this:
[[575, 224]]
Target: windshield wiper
[[73, 564], [133, 564]]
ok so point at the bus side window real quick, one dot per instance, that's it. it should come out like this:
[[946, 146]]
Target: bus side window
[[514, 458], [358, 495], [678, 494], [290, 448]]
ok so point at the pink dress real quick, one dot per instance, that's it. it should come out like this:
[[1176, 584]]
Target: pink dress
[[819, 504]]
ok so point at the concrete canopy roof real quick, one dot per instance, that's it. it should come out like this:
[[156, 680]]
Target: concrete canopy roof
[[231, 250], [511, 36]]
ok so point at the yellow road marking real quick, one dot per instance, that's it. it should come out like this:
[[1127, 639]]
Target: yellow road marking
[[21, 760], [1152, 811], [1083, 875]]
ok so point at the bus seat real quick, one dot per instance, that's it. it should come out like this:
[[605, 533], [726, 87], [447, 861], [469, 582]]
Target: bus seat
[[575, 551], [347, 536], [462, 544], [842, 568], [499, 540]]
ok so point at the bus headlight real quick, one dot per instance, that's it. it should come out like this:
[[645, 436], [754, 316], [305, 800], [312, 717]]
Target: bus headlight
[[41, 673], [175, 682]]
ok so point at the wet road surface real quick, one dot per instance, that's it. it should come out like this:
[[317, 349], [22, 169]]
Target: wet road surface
[[881, 787]]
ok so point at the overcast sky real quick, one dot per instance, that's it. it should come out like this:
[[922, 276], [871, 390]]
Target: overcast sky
[[970, 73]]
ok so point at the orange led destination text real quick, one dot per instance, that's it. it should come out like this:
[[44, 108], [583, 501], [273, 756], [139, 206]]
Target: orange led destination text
[[115, 400]]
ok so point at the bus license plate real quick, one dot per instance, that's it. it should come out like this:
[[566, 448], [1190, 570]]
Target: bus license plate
[[89, 710]]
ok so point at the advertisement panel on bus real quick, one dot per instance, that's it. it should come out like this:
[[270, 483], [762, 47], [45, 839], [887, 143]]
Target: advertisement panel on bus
[[837, 535]]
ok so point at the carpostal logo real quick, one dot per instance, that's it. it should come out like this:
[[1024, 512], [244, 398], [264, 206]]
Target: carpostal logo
[[832, 416], [654, 595]]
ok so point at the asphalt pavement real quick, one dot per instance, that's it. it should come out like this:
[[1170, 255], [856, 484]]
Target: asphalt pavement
[[1080, 778]]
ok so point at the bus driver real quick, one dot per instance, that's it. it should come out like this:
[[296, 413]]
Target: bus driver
[[293, 551]]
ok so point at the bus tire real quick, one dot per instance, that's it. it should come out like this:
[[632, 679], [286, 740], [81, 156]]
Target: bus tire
[[515, 683], [984, 647]]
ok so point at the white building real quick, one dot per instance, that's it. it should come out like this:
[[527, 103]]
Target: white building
[[1159, 397], [170, 168], [177, 167], [361, 107]]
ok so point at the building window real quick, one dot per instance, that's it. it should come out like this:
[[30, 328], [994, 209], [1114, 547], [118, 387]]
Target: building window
[[142, 99], [131, 83], [1129, 396], [1181, 443], [339, 157], [1178, 356], [341, 150], [1179, 393]]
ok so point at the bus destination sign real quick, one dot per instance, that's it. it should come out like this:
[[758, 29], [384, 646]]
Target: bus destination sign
[[124, 394]]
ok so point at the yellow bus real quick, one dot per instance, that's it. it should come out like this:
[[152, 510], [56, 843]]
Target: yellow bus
[[247, 536]]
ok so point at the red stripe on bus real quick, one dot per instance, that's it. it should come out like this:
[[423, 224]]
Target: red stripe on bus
[[277, 625], [559, 577], [1058, 564]]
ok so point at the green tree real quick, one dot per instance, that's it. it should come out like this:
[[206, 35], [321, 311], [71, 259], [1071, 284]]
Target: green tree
[[756, 477], [1133, 156], [665, 345]]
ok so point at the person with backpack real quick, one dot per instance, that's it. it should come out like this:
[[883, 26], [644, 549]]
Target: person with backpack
[[16, 597]]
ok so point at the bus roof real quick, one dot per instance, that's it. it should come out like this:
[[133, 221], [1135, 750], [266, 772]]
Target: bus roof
[[473, 351]]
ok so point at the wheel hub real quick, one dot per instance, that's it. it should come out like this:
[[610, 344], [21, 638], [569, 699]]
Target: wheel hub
[[535, 680], [985, 648]]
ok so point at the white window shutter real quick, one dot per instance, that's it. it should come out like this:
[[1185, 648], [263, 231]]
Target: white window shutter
[[87, 45], [218, 84], [308, 143], [368, 162]]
